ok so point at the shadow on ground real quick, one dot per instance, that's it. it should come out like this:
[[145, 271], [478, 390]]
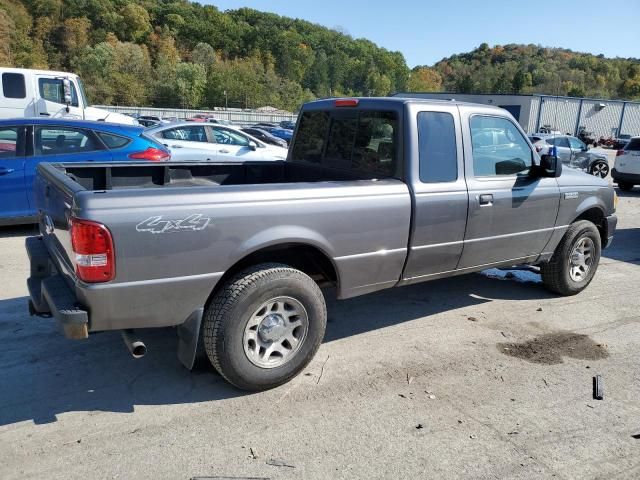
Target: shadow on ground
[[18, 230], [625, 246], [43, 374]]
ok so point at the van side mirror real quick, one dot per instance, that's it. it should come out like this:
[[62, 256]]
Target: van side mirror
[[66, 86], [550, 166]]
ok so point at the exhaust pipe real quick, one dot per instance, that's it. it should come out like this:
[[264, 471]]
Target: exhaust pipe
[[137, 348]]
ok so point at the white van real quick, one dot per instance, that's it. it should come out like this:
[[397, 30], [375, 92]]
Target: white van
[[43, 93]]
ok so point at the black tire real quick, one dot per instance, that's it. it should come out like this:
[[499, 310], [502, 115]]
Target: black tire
[[625, 187], [556, 273], [599, 168], [231, 308]]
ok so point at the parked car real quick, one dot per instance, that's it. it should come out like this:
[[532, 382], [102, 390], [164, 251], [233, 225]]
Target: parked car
[[212, 142], [200, 118], [25, 142], [282, 133], [375, 193], [621, 141], [626, 169], [45, 93], [288, 124], [573, 152], [265, 136]]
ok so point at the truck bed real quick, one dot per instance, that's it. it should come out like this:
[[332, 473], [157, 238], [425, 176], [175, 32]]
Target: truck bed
[[110, 176], [178, 227]]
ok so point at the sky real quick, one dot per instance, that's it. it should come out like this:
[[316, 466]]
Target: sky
[[426, 31]]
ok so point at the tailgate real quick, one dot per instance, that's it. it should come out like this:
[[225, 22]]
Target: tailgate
[[54, 192]]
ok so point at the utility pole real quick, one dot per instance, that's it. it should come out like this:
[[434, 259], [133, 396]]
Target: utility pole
[[226, 101]]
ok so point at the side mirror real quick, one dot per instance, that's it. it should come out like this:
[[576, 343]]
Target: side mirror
[[550, 166], [66, 85], [252, 146]]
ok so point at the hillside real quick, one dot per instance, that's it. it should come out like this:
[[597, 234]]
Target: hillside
[[186, 54], [535, 69], [183, 54]]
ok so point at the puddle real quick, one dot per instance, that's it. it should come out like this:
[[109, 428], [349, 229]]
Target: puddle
[[549, 349], [522, 276]]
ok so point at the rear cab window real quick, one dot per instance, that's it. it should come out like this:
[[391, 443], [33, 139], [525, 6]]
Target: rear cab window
[[358, 141], [633, 145]]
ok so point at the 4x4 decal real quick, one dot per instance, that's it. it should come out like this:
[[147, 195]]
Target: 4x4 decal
[[156, 224]]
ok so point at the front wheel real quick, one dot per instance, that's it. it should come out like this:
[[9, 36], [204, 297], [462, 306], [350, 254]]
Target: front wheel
[[575, 261], [599, 168], [264, 326]]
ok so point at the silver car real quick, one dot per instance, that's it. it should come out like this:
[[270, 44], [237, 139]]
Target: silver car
[[573, 152], [190, 141]]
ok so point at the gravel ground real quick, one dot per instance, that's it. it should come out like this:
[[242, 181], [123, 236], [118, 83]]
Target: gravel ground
[[482, 376]]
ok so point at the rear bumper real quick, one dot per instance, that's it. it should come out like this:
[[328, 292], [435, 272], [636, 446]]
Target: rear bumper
[[612, 222], [625, 177], [51, 295]]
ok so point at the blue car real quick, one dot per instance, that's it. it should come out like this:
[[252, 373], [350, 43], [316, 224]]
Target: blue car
[[25, 142], [283, 133]]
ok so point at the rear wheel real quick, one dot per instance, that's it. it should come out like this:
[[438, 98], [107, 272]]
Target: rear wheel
[[264, 326], [625, 187], [599, 168], [575, 261]]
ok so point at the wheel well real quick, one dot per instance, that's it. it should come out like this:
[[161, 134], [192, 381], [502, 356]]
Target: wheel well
[[306, 258], [596, 216]]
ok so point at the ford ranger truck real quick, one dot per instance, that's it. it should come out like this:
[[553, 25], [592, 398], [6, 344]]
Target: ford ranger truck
[[375, 193]]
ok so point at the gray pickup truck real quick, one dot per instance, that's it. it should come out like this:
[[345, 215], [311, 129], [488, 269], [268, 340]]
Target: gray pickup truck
[[375, 193]]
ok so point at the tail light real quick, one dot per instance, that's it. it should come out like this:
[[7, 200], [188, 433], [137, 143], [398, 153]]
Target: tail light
[[152, 154], [93, 248], [619, 152]]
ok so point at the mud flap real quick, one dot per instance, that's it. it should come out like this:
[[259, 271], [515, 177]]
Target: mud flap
[[190, 343]]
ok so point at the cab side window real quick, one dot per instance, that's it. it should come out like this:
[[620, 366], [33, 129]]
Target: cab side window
[[499, 149], [52, 89], [10, 142], [229, 137], [437, 143], [188, 134], [13, 85], [57, 140]]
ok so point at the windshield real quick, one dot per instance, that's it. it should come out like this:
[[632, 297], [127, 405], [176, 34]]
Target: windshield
[[83, 95]]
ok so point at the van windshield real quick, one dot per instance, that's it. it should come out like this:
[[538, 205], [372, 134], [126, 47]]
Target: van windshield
[[83, 95]]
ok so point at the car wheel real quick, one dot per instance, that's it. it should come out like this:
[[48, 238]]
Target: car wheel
[[625, 187], [599, 168], [264, 326], [575, 261]]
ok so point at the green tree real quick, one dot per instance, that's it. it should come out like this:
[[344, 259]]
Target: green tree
[[136, 23], [190, 84], [203, 54]]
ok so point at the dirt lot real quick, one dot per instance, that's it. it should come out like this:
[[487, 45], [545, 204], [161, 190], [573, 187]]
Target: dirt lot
[[483, 376]]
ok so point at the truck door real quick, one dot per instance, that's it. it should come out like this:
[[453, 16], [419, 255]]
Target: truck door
[[440, 193], [13, 197], [50, 102], [511, 214]]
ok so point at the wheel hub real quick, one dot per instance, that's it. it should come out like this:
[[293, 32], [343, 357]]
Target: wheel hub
[[275, 332], [581, 259], [271, 328]]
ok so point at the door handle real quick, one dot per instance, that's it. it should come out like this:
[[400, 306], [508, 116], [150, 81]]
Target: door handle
[[176, 146], [45, 114], [486, 199], [224, 151], [6, 171]]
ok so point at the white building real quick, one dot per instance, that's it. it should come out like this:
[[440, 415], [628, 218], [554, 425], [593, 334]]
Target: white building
[[566, 114]]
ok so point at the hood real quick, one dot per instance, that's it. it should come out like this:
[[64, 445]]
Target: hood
[[93, 113], [276, 152], [572, 177]]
